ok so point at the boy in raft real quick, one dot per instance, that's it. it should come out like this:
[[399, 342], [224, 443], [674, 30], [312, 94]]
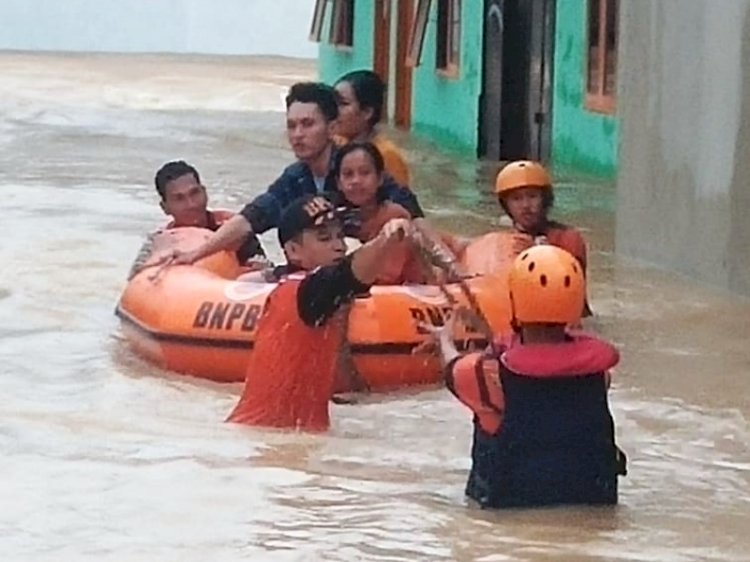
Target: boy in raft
[[543, 431], [311, 114], [359, 171], [293, 368]]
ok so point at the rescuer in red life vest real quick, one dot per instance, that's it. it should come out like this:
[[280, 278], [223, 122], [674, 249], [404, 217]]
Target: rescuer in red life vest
[[543, 431], [293, 368]]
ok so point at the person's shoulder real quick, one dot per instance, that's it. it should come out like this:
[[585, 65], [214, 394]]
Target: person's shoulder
[[383, 143], [221, 215], [393, 210], [564, 229], [294, 170], [296, 167]]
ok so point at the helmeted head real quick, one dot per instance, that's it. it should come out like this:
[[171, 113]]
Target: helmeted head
[[311, 233], [524, 191], [546, 286], [183, 197], [311, 113]]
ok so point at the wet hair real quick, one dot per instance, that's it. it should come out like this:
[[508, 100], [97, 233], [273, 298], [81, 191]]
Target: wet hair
[[322, 95], [375, 157], [369, 90], [372, 151], [548, 200], [171, 171]]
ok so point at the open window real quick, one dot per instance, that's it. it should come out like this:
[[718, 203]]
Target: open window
[[342, 22], [448, 35], [601, 70], [418, 30]]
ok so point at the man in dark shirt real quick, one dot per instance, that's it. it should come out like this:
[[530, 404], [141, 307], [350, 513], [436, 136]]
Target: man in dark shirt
[[312, 110], [293, 367]]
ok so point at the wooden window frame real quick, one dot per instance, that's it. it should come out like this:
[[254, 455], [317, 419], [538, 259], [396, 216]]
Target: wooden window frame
[[448, 43], [417, 34], [319, 15], [340, 24], [596, 99], [342, 27]]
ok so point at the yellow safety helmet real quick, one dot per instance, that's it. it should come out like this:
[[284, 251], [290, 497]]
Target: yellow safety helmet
[[522, 173], [546, 285]]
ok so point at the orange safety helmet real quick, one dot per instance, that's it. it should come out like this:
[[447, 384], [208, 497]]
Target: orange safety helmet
[[522, 173], [546, 286]]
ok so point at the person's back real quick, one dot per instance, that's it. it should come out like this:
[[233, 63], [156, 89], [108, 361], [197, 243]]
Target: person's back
[[543, 430], [557, 443]]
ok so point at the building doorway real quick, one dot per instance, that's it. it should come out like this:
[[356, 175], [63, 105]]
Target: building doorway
[[516, 100]]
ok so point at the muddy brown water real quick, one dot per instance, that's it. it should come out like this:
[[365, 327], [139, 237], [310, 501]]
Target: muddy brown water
[[105, 457]]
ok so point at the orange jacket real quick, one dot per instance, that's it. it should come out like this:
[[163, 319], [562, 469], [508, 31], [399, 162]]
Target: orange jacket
[[402, 265], [394, 161], [293, 367]]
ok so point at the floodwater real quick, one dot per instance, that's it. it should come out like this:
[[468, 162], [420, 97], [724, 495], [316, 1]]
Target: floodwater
[[106, 458]]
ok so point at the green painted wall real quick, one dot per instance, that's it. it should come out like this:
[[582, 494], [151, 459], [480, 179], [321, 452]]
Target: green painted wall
[[335, 61], [582, 140], [447, 109]]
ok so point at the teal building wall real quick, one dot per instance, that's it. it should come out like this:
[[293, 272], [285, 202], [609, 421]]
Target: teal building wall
[[446, 109], [335, 61], [582, 140]]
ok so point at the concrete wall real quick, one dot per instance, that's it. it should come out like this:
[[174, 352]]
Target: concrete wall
[[582, 140], [278, 27], [684, 182], [447, 109]]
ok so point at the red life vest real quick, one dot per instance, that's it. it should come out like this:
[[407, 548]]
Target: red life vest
[[293, 367]]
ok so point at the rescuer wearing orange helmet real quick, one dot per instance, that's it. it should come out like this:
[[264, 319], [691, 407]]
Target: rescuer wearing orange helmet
[[524, 191], [543, 431]]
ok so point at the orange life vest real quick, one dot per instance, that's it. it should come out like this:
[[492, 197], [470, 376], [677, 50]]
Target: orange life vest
[[293, 367]]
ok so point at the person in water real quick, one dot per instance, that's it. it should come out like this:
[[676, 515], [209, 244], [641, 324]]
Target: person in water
[[543, 430], [311, 114], [524, 191], [359, 171], [184, 198], [295, 360], [361, 95]]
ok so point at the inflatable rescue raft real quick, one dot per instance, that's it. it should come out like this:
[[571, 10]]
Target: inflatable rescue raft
[[200, 320]]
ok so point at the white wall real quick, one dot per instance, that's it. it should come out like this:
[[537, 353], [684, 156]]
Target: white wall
[[278, 27]]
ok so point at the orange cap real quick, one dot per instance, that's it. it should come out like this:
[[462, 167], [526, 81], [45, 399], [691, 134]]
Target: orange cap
[[546, 286], [522, 173]]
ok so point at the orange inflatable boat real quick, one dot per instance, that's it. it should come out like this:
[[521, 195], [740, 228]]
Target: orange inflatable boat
[[199, 320]]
